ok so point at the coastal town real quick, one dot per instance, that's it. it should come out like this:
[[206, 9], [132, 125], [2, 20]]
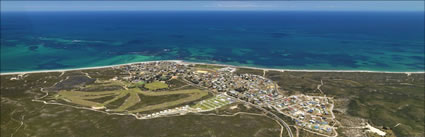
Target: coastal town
[[313, 113], [196, 68], [170, 89]]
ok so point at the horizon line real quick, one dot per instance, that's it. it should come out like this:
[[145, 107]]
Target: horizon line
[[212, 6], [211, 11]]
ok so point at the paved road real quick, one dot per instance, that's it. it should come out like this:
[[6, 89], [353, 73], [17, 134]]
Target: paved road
[[261, 108], [281, 121], [275, 116]]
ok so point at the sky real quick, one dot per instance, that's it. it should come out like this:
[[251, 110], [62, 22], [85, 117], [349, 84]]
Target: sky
[[212, 5]]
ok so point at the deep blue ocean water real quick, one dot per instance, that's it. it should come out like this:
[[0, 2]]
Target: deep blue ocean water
[[379, 41]]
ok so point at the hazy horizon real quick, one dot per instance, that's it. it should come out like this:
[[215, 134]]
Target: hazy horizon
[[212, 6]]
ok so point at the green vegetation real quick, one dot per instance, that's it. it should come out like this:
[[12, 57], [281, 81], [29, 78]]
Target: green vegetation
[[104, 73], [139, 83], [153, 100], [156, 85], [77, 121], [132, 100], [122, 100], [81, 98], [91, 88], [101, 99], [117, 101], [175, 83], [195, 94], [136, 84], [383, 99]]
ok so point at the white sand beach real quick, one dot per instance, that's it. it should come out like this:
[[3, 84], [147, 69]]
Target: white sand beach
[[225, 65]]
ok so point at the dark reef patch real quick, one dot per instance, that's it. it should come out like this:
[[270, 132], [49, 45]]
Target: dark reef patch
[[419, 58], [33, 48], [52, 65], [397, 58], [137, 42], [380, 64], [345, 42], [176, 36]]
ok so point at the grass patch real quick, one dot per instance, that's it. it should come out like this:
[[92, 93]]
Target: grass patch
[[117, 101], [175, 83], [156, 85], [132, 100], [194, 95], [102, 99], [153, 100]]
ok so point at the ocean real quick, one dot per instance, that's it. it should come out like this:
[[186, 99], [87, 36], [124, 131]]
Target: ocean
[[374, 41]]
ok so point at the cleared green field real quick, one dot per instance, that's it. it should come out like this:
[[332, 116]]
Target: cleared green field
[[87, 95], [130, 101], [139, 83], [79, 101], [195, 94], [121, 95], [82, 98], [156, 85], [128, 98], [186, 91]]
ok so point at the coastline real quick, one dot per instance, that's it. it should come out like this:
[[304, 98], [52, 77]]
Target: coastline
[[225, 65]]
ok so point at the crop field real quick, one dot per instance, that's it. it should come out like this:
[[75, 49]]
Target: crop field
[[156, 85], [213, 103]]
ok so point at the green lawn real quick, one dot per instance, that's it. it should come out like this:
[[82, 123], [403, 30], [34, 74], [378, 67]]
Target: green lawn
[[156, 85]]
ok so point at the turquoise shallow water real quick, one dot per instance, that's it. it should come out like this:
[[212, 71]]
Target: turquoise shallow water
[[377, 41]]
